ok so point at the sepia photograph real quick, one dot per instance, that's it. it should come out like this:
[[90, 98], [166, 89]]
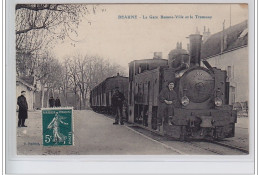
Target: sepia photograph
[[132, 79]]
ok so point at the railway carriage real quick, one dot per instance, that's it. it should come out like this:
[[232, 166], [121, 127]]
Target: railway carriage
[[100, 96]]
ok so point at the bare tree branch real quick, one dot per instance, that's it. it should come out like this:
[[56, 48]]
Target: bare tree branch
[[37, 7], [31, 28]]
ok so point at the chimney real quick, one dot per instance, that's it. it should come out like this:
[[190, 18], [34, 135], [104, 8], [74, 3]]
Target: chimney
[[206, 34], [197, 30], [222, 39], [188, 47], [157, 55], [195, 49]]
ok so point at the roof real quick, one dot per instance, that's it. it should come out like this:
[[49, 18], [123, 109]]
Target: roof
[[177, 52], [108, 78], [28, 79], [24, 83], [146, 60], [236, 37], [117, 76]]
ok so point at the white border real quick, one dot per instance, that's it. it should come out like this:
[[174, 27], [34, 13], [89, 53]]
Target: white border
[[119, 164], [2, 79]]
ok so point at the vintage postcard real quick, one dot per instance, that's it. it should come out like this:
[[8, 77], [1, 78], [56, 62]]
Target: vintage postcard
[[164, 73], [132, 79]]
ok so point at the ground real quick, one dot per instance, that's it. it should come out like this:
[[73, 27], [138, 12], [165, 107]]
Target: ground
[[94, 134]]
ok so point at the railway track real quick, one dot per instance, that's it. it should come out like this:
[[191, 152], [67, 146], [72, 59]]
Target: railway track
[[217, 150], [156, 136], [231, 146], [215, 147]]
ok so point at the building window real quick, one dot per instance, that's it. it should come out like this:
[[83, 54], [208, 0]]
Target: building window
[[232, 95]]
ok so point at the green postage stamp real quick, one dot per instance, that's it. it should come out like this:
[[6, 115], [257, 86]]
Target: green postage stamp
[[57, 126]]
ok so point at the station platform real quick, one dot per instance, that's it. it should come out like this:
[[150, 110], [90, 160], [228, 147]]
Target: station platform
[[94, 134]]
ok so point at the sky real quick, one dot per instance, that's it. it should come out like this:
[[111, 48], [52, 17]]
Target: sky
[[124, 40]]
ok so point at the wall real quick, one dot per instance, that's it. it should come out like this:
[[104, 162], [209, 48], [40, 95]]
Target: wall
[[238, 61]]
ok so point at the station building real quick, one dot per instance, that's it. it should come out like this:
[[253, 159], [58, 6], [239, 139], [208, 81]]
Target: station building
[[26, 84], [228, 50]]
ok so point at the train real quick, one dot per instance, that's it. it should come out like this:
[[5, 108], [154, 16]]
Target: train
[[202, 110], [101, 95]]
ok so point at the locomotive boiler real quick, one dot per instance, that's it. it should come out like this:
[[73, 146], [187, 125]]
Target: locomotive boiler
[[202, 110]]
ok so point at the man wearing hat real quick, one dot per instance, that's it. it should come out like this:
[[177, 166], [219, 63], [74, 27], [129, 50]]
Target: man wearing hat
[[23, 108], [168, 99], [52, 102], [57, 102], [117, 103]]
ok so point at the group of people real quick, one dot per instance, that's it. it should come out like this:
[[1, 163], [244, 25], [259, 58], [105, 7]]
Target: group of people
[[23, 107], [54, 102], [167, 98]]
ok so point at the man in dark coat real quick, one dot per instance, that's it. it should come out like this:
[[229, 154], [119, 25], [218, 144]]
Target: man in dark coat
[[51, 102], [168, 99], [23, 109], [118, 99], [57, 102]]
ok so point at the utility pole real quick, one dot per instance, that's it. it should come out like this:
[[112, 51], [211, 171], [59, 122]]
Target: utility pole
[[230, 15]]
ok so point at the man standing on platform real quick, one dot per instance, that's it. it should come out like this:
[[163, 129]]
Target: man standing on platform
[[52, 102], [117, 103], [57, 102], [23, 109]]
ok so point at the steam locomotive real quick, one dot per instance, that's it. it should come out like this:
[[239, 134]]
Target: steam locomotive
[[203, 92]]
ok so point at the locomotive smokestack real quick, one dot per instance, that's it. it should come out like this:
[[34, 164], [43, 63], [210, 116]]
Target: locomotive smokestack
[[157, 55], [195, 48]]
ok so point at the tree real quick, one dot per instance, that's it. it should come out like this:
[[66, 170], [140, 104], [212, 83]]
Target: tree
[[83, 73], [48, 73], [65, 79], [73, 78], [50, 16], [38, 26]]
